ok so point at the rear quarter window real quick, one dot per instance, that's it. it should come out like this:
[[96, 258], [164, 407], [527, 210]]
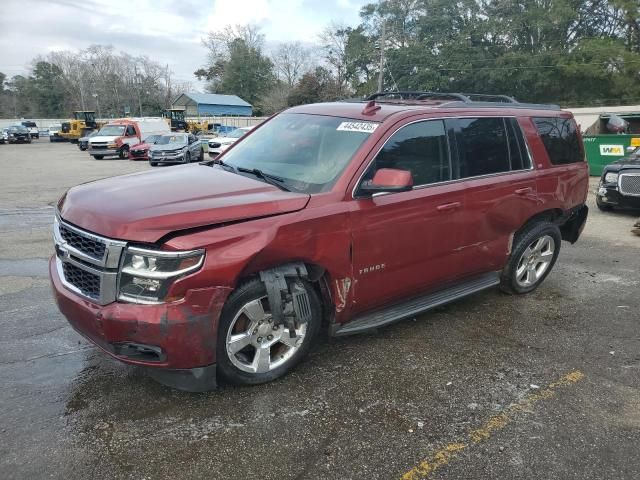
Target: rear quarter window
[[560, 138]]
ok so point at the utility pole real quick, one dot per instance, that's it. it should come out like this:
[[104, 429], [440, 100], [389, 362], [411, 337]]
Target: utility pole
[[139, 84], [382, 42]]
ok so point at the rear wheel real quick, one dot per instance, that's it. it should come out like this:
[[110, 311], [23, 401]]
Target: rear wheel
[[251, 348], [533, 255], [187, 157], [98, 157]]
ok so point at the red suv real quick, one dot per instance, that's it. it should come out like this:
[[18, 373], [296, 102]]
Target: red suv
[[346, 215]]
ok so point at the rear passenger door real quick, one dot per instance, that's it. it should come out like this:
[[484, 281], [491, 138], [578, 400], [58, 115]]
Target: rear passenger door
[[500, 188]]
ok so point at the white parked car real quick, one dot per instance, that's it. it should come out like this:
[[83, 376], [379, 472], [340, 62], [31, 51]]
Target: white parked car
[[220, 144]]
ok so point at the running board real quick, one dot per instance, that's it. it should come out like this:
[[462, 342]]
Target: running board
[[387, 315]]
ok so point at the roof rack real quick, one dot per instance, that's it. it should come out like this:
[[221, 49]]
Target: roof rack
[[461, 99]]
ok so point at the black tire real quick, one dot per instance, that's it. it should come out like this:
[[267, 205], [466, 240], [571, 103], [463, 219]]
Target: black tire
[[82, 148], [124, 152], [603, 207], [98, 157], [51, 139], [153, 164], [524, 239], [187, 157], [201, 159], [248, 292]]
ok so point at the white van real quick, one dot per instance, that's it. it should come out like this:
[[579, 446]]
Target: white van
[[118, 136]]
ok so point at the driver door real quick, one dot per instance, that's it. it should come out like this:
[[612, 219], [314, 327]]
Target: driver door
[[406, 243]]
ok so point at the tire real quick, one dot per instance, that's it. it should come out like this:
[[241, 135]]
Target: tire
[[237, 370], [603, 207], [51, 139], [187, 157], [537, 246], [153, 164], [98, 157], [201, 159], [124, 152]]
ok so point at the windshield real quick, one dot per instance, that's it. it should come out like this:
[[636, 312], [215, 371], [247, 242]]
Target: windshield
[[152, 138], [19, 129], [171, 139], [308, 151], [112, 130], [237, 133], [29, 124]]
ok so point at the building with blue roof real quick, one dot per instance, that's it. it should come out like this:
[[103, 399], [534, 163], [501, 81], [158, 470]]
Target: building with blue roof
[[212, 104]]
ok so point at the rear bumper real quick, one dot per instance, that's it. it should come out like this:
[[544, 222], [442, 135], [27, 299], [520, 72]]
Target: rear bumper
[[176, 336]]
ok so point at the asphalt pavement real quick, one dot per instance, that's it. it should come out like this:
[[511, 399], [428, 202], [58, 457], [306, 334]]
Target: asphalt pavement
[[539, 386]]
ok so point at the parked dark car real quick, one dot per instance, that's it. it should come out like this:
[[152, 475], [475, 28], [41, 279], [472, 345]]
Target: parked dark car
[[349, 216], [83, 142], [620, 183], [18, 134], [175, 148]]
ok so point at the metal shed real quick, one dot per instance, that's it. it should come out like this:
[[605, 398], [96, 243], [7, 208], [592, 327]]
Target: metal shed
[[212, 104]]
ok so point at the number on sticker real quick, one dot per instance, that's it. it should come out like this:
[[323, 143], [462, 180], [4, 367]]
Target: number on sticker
[[362, 127]]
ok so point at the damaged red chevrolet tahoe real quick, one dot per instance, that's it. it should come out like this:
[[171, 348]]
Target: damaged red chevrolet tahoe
[[347, 216]]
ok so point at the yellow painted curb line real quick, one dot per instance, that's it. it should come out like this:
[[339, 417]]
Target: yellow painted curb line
[[442, 457]]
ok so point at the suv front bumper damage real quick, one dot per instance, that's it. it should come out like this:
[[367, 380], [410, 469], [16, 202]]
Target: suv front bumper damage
[[175, 342]]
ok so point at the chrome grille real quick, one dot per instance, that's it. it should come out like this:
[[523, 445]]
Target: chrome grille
[[629, 184], [87, 263], [91, 247], [87, 282]]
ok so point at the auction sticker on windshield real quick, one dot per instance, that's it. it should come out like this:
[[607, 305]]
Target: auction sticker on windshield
[[363, 127]]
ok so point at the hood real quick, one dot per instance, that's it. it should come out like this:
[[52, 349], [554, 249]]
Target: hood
[[141, 146], [627, 162], [170, 147], [146, 206], [103, 138]]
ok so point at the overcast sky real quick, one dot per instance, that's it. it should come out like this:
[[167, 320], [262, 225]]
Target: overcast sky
[[168, 31]]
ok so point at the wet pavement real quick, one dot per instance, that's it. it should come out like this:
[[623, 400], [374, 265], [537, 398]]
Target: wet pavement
[[476, 389]]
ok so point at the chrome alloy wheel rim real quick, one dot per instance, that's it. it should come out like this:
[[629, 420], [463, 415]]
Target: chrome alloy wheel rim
[[535, 261], [255, 345]]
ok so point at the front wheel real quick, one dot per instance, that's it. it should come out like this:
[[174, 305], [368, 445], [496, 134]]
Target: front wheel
[[153, 164], [124, 152], [98, 157], [533, 255], [251, 348]]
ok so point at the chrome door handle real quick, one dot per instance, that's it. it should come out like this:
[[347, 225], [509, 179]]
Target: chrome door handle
[[448, 206], [524, 191]]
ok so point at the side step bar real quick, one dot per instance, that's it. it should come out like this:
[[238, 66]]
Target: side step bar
[[387, 315]]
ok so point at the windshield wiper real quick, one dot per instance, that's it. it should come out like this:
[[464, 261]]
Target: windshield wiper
[[270, 179]]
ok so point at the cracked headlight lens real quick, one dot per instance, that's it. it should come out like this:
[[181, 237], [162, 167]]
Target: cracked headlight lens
[[611, 177], [146, 275]]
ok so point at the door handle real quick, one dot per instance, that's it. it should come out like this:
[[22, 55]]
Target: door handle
[[524, 191], [448, 206]]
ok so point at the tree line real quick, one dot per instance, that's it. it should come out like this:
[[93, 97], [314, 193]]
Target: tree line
[[98, 78], [571, 52]]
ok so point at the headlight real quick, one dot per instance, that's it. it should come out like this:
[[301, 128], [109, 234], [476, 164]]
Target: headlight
[[611, 177], [112, 145], [146, 275]]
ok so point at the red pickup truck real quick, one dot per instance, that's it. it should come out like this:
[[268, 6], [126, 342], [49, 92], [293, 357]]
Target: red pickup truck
[[346, 216]]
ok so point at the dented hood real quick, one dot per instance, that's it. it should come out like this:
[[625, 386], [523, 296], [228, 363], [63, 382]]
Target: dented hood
[[146, 206]]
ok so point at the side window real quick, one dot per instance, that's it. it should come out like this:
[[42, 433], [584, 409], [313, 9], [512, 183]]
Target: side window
[[421, 148], [130, 131], [517, 148], [483, 147], [560, 138]]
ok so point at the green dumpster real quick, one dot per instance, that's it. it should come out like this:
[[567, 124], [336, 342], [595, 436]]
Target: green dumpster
[[603, 147], [601, 150]]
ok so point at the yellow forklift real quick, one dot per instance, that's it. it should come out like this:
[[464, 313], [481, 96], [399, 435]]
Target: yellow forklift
[[82, 124]]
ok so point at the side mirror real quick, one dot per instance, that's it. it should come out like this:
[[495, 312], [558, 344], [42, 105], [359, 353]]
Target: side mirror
[[388, 180]]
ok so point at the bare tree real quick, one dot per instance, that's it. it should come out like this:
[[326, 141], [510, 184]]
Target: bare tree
[[291, 60], [334, 40]]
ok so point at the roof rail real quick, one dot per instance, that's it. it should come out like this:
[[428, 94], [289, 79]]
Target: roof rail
[[461, 99]]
